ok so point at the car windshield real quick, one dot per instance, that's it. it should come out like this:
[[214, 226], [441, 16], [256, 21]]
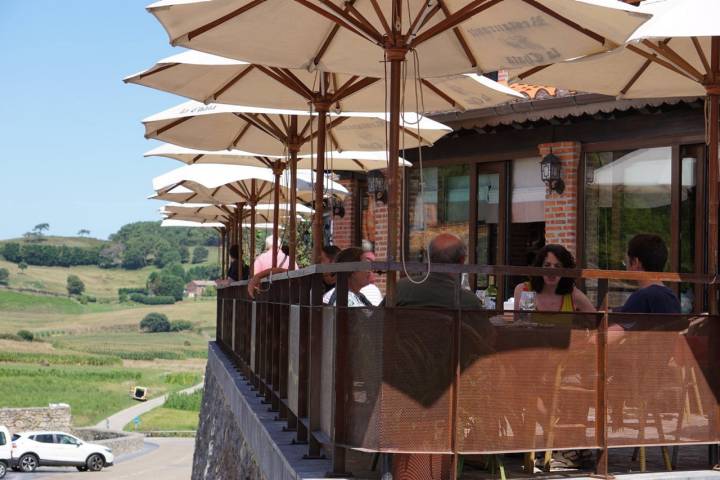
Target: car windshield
[[15, 437]]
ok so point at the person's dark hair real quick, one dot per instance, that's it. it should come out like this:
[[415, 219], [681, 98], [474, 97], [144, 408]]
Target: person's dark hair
[[352, 254], [234, 251], [447, 249], [331, 251], [285, 249], [650, 250], [565, 285]]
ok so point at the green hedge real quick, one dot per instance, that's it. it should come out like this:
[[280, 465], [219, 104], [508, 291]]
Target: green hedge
[[156, 300]]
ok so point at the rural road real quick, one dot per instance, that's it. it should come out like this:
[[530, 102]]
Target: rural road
[[162, 459], [123, 417]]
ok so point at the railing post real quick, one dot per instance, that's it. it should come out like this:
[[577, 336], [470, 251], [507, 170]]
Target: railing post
[[315, 365], [303, 354], [601, 416], [339, 375]]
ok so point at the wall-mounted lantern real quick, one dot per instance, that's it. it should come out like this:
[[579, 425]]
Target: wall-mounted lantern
[[377, 185], [550, 173]]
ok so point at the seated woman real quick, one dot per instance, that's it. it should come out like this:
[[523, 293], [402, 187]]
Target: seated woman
[[553, 293]]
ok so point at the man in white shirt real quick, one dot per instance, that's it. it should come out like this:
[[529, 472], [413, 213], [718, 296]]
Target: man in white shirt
[[371, 291]]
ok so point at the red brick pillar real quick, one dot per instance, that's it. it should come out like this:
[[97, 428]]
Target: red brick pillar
[[561, 209], [343, 227]]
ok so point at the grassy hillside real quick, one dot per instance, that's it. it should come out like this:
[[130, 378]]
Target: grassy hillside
[[60, 241]]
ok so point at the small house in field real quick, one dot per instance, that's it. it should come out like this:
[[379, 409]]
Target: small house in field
[[196, 288]]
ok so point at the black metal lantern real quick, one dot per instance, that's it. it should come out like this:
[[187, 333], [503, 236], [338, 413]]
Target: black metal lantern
[[550, 173], [377, 186]]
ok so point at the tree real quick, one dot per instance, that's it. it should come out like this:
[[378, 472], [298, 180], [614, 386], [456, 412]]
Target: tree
[[12, 252], [200, 255], [133, 257], [170, 285], [154, 323], [75, 286], [83, 233], [22, 265], [26, 335], [184, 254], [4, 276], [40, 228], [165, 254]]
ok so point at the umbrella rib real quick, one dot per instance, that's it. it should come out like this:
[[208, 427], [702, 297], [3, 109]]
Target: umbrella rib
[[217, 22], [672, 55], [235, 190], [152, 72], [532, 71], [245, 192], [241, 134], [422, 18], [473, 8], [359, 164], [701, 54], [460, 37], [338, 21], [196, 158], [167, 127], [301, 135], [307, 92], [412, 134], [453, 103], [360, 23], [229, 84], [658, 60], [351, 10], [381, 17], [282, 134], [549, 11], [284, 124], [635, 77], [334, 140], [330, 125], [258, 124], [272, 73], [265, 161], [347, 90]]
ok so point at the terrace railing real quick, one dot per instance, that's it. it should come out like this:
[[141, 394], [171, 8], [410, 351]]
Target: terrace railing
[[458, 382]]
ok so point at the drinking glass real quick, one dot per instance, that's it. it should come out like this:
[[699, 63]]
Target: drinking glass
[[527, 301]]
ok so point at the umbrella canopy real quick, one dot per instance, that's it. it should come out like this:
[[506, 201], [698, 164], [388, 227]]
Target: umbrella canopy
[[179, 194], [336, 161], [219, 126], [171, 222], [230, 184], [210, 78], [450, 36], [206, 210]]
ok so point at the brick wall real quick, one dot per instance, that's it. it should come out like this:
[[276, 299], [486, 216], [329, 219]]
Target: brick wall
[[343, 227], [561, 209]]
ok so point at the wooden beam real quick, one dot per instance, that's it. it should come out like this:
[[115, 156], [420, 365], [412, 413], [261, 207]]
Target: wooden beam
[[219, 21], [218, 93]]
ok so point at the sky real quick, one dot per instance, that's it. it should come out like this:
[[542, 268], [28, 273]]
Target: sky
[[70, 130]]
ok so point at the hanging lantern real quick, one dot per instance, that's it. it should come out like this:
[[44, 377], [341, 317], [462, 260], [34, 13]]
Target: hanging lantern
[[550, 173], [377, 185]]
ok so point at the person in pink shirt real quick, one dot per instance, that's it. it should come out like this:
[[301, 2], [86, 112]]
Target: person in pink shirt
[[264, 260]]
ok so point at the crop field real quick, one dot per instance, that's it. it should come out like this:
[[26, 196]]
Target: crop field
[[138, 345], [92, 392]]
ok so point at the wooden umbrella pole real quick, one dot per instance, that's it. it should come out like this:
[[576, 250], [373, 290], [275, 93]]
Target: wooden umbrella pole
[[251, 257], [293, 148], [395, 56], [238, 223], [222, 253], [713, 94], [278, 168], [322, 107]]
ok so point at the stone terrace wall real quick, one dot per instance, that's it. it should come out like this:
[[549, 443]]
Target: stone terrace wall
[[53, 417], [121, 443], [221, 452]]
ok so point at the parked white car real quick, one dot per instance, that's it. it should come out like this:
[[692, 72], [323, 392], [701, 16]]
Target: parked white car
[[35, 449], [5, 454]]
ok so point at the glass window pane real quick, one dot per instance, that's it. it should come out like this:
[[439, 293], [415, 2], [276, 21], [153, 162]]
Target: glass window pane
[[626, 193], [443, 207]]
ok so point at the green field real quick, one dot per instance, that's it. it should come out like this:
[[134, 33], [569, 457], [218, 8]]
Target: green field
[[90, 356], [56, 241], [166, 419]]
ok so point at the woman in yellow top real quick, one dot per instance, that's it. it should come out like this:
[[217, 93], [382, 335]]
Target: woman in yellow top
[[554, 293]]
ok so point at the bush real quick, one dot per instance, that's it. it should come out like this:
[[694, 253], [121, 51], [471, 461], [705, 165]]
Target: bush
[[75, 286], [128, 291], [9, 336], [133, 258], [26, 335], [85, 299], [200, 255], [209, 291], [180, 325], [184, 254], [154, 323], [185, 401], [12, 253], [167, 255], [156, 300], [4, 276], [22, 265]]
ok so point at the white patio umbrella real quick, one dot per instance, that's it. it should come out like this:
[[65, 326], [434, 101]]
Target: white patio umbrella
[[337, 161], [178, 194], [675, 54], [219, 126], [445, 37], [171, 222], [211, 78]]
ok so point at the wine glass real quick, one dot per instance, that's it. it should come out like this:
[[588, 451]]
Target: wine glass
[[527, 301]]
